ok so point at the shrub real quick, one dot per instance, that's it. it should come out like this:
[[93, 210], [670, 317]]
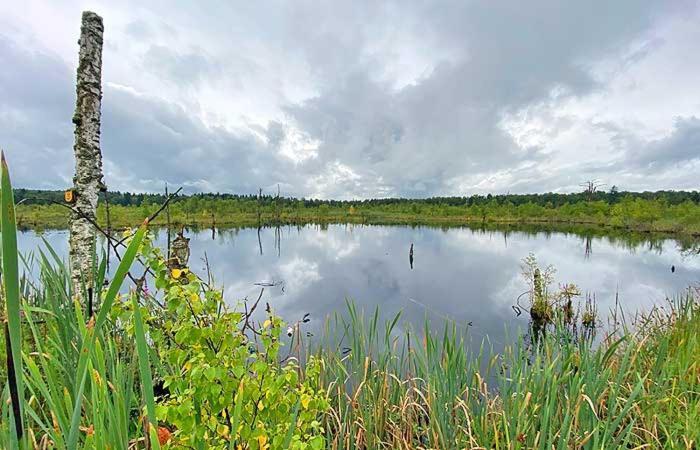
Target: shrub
[[226, 386]]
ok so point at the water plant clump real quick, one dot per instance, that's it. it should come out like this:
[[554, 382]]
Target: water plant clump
[[555, 309]]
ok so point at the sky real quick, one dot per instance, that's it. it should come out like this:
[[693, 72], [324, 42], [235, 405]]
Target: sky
[[361, 99]]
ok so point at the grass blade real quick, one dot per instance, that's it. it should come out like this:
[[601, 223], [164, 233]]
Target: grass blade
[[10, 278], [145, 371], [292, 426]]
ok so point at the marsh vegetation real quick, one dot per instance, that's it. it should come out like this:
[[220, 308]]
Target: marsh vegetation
[[170, 364], [668, 212]]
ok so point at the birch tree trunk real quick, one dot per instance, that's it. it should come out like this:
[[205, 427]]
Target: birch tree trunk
[[88, 180]]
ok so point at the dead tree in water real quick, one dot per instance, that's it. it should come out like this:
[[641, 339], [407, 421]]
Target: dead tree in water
[[591, 187], [88, 181]]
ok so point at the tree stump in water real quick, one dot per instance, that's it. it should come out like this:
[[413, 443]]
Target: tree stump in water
[[179, 252]]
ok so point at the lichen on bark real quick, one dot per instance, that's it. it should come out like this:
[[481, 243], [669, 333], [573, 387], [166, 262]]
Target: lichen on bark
[[88, 180]]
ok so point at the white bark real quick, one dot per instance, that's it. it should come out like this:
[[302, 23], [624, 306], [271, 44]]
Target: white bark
[[88, 157]]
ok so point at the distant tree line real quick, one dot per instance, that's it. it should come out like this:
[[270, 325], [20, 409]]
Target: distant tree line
[[550, 199]]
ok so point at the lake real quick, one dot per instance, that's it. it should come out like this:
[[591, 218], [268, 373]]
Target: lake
[[469, 276]]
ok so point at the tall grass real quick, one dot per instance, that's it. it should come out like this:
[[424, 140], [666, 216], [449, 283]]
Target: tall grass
[[638, 389], [78, 376]]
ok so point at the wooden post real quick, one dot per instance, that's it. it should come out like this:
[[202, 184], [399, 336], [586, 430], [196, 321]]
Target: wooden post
[[88, 181]]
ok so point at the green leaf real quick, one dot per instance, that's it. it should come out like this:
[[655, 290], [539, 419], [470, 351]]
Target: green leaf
[[235, 420], [10, 278], [145, 371], [292, 426]]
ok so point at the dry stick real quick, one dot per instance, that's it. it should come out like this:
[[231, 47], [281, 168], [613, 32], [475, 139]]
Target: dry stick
[[248, 313], [277, 205], [157, 213], [109, 224], [259, 201], [167, 216]]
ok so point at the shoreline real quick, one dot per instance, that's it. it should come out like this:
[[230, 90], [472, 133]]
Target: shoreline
[[120, 222]]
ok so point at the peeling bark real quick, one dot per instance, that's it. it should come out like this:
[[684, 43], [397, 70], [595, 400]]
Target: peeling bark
[[88, 181]]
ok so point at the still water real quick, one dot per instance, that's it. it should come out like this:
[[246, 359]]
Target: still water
[[469, 276]]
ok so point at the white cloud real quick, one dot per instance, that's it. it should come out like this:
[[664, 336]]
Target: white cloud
[[361, 99]]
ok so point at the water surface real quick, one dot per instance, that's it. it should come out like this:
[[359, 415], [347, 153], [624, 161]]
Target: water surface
[[469, 276]]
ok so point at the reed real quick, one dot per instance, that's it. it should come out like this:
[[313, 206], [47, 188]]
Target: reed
[[77, 375], [638, 388]]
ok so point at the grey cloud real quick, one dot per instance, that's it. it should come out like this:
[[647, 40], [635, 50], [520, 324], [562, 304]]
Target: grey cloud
[[446, 125], [188, 68], [139, 29], [680, 146], [36, 98], [275, 133], [145, 141], [152, 141]]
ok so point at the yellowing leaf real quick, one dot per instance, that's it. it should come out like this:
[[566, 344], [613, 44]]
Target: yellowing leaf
[[267, 323], [262, 442], [96, 376], [176, 273], [305, 400], [222, 430]]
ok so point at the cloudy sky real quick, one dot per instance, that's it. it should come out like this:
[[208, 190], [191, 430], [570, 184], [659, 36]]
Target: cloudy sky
[[363, 98]]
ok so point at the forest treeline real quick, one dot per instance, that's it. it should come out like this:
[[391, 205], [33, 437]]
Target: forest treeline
[[662, 211], [45, 197]]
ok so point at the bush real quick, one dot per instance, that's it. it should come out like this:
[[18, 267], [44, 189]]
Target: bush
[[223, 374]]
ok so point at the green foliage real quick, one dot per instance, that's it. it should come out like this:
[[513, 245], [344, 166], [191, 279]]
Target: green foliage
[[663, 211], [145, 372], [215, 372]]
